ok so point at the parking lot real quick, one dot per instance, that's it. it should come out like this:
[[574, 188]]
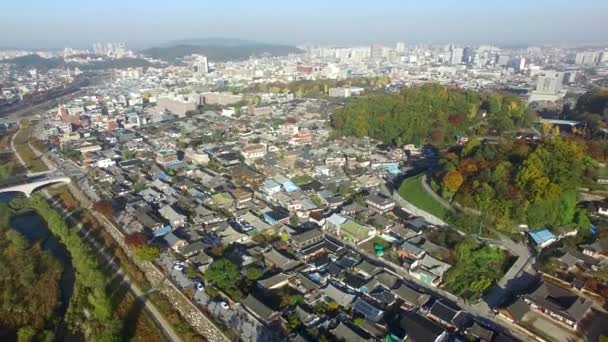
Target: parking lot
[[178, 277]]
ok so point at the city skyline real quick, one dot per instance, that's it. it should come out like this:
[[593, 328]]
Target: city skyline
[[71, 23]]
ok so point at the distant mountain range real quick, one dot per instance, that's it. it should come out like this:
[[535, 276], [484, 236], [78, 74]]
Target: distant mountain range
[[40, 63], [217, 49]]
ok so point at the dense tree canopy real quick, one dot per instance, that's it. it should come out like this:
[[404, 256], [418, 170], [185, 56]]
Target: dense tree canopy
[[92, 292], [29, 283], [512, 183], [429, 113], [592, 109], [225, 275], [478, 268], [594, 102]]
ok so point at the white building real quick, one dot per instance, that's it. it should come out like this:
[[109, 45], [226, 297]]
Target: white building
[[549, 82], [456, 55], [200, 65]]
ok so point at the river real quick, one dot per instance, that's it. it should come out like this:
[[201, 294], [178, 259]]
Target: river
[[34, 228]]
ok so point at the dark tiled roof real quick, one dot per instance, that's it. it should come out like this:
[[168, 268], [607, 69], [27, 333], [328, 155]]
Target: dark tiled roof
[[480, 332], [367, 268], [517, 309], [192, 248], [411, 296], [354, 280], [443, 311], [344, 333], [416, 328], [258, 308], [367, 310], [560, 301], [307, 235], [387, 279], [383, 296]]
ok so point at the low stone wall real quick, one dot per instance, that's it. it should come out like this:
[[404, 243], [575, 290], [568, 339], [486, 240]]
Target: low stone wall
[[188, 310]]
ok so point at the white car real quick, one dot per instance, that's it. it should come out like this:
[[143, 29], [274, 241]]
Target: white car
[[224, 305], [178, 267], [199, 286]]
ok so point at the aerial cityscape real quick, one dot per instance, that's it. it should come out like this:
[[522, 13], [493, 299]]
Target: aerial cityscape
[[326, 171]]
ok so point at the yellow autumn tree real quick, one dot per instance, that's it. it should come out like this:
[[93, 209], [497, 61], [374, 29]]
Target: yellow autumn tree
[[452, 180]]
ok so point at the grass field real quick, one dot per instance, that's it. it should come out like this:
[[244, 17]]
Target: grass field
[[33, 162], [412, 191]]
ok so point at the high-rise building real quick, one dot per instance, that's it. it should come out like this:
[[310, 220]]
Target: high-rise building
[[400, 47], [200, 65], [522, 64], [376, 51], [456, 55], [587, 58], [549, 82], [468, 55]]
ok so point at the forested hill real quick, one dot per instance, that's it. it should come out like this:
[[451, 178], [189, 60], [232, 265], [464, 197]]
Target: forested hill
[[517, 182], [218, 52], [430, 113]]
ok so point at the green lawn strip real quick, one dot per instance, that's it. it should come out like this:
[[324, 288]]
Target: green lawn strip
[[412, 191]]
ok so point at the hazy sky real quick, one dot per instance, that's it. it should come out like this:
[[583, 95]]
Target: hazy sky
[[59, 23]]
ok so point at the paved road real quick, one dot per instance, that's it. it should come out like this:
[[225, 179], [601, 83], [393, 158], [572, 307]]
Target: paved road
[[165, 326], [433, 194], [140, 295], [517, 277], [21, 161], [479, 309]]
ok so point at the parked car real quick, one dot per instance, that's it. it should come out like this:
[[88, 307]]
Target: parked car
[[198, 285], [224, 305]]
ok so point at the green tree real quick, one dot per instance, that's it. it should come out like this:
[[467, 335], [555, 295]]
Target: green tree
[[295, 299], [26, 334], [224, 274], [359, 321], [127, 154], [294, 221], [146, 253], [293, 322], [253, 273]]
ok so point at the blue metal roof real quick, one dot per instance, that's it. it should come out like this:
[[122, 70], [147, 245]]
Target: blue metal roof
[[393, 169], [541, 236], [162, 231], [289, 186]]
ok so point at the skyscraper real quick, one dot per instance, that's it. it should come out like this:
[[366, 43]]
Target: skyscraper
[[200, 65], [456, 55], [376, 52], [468, 55], [400, 47]]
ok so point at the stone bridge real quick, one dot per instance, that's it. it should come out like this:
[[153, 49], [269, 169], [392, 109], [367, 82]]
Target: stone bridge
[[30, 183]]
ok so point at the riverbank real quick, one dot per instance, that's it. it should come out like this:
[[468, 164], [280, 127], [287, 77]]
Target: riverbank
[[36, 278], [149, 322]]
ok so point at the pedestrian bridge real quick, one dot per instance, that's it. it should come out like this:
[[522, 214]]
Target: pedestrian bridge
[[30, 183]]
